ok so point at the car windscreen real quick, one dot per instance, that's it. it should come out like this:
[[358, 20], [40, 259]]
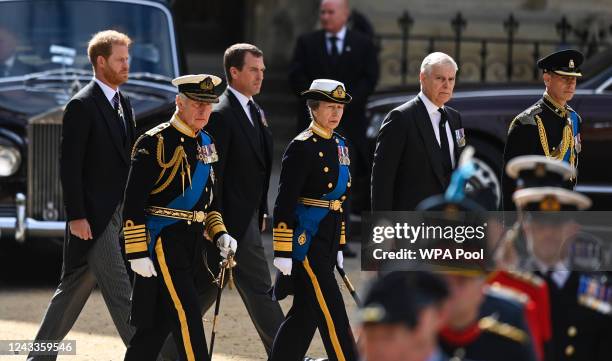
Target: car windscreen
[[38, 36]]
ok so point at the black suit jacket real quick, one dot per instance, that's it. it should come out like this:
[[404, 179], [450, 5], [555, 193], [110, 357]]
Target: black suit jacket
[[357, 68], [94, 164], [407, 162], [243, 169]]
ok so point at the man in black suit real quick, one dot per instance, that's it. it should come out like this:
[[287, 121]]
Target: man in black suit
[[244, 143], [419, 142], [97, 133], [336, 52]]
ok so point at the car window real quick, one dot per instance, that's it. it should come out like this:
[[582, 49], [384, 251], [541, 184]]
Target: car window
[[607, 88], [45, 35]]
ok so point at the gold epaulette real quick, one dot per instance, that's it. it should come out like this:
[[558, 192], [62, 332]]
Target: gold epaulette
[[304, 135], [527, 278], [527, 117], [498, 289], [151, 132], [492, 325]]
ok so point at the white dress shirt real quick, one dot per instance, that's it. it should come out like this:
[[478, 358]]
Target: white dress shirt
[[108, 91], [560, 272], [244, 102], [339, 43], [435, 116]]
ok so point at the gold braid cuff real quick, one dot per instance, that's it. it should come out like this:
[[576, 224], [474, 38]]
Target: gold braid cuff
[[214, 224]]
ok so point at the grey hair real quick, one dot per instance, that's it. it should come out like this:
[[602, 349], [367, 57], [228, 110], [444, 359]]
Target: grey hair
[[312, 105], [183, 97], [437, 58]]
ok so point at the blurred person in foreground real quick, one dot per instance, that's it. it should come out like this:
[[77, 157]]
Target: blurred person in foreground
[[483, 324], [580, 299], [401, 316]]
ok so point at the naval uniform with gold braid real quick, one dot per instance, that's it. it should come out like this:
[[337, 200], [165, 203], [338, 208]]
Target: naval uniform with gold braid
[[309, 225], [545, 128], [168, 204], [581, 315]]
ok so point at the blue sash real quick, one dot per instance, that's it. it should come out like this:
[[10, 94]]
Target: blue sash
[[575, 134], [308, 218], [186, 201]]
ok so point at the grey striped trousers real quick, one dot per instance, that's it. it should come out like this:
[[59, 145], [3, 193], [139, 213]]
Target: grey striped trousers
[[105, 268]]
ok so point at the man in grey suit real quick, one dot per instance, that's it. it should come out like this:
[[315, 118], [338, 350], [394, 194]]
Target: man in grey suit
[[97, 135]]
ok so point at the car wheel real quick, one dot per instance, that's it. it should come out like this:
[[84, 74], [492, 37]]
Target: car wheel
[[489, 160]]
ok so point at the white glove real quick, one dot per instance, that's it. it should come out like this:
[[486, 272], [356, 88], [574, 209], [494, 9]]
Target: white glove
[[143, 266], [283, 264], [340, 259], [226, 243]]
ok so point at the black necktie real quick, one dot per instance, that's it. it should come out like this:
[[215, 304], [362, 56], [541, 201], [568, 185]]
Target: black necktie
[[446, 157], [256, 119], [333, 40], [117, 107]]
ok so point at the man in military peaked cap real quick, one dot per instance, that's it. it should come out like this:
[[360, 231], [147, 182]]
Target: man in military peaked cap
[[169, 204], [580, 302], [309, 230], [550, 127]]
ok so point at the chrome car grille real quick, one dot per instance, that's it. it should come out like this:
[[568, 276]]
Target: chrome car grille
[[44, 198]]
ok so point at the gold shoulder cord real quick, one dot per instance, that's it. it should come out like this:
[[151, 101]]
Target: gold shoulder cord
[[566, 143], [177, 161]]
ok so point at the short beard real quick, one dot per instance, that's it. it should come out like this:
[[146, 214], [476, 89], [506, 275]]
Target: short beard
[[113, 77]]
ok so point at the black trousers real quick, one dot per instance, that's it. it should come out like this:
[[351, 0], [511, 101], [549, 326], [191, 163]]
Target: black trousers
[[252, 279], [177, 307], [317, 303]]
